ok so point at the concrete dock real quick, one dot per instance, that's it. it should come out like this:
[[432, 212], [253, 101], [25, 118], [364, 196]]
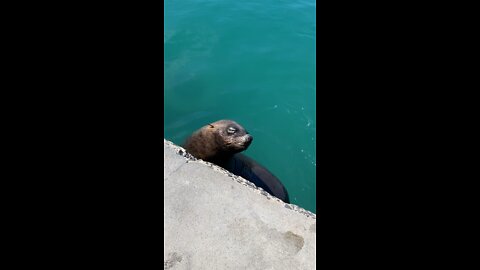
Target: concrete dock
[[216, 220]]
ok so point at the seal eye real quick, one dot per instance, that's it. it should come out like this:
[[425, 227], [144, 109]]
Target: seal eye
[[231, 130]]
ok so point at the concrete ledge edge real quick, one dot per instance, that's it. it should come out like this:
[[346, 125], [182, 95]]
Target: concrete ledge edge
[[188, 157]]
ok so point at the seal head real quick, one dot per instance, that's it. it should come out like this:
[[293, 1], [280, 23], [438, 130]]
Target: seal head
[[218, 140]]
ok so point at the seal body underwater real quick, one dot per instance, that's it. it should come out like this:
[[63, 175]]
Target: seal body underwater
[[221, 143]]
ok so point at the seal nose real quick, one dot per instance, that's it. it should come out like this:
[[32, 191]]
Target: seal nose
[[248, 139]]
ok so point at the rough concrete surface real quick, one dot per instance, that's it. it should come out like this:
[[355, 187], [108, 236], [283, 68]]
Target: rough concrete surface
[[216, 220]]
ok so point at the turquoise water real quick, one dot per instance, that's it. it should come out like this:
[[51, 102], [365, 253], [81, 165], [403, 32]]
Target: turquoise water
[[252, 62]]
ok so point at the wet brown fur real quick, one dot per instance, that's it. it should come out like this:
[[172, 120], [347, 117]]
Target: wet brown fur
[[210, 143]]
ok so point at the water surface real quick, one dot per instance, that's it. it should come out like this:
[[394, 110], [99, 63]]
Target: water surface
[[252, 62]]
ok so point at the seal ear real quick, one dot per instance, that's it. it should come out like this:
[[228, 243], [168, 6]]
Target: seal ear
[[211, 126]]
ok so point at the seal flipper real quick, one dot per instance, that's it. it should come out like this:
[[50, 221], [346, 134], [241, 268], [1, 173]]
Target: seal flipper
[[254, 172]]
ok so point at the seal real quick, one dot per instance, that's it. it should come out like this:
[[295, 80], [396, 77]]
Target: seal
[[221, 143]]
